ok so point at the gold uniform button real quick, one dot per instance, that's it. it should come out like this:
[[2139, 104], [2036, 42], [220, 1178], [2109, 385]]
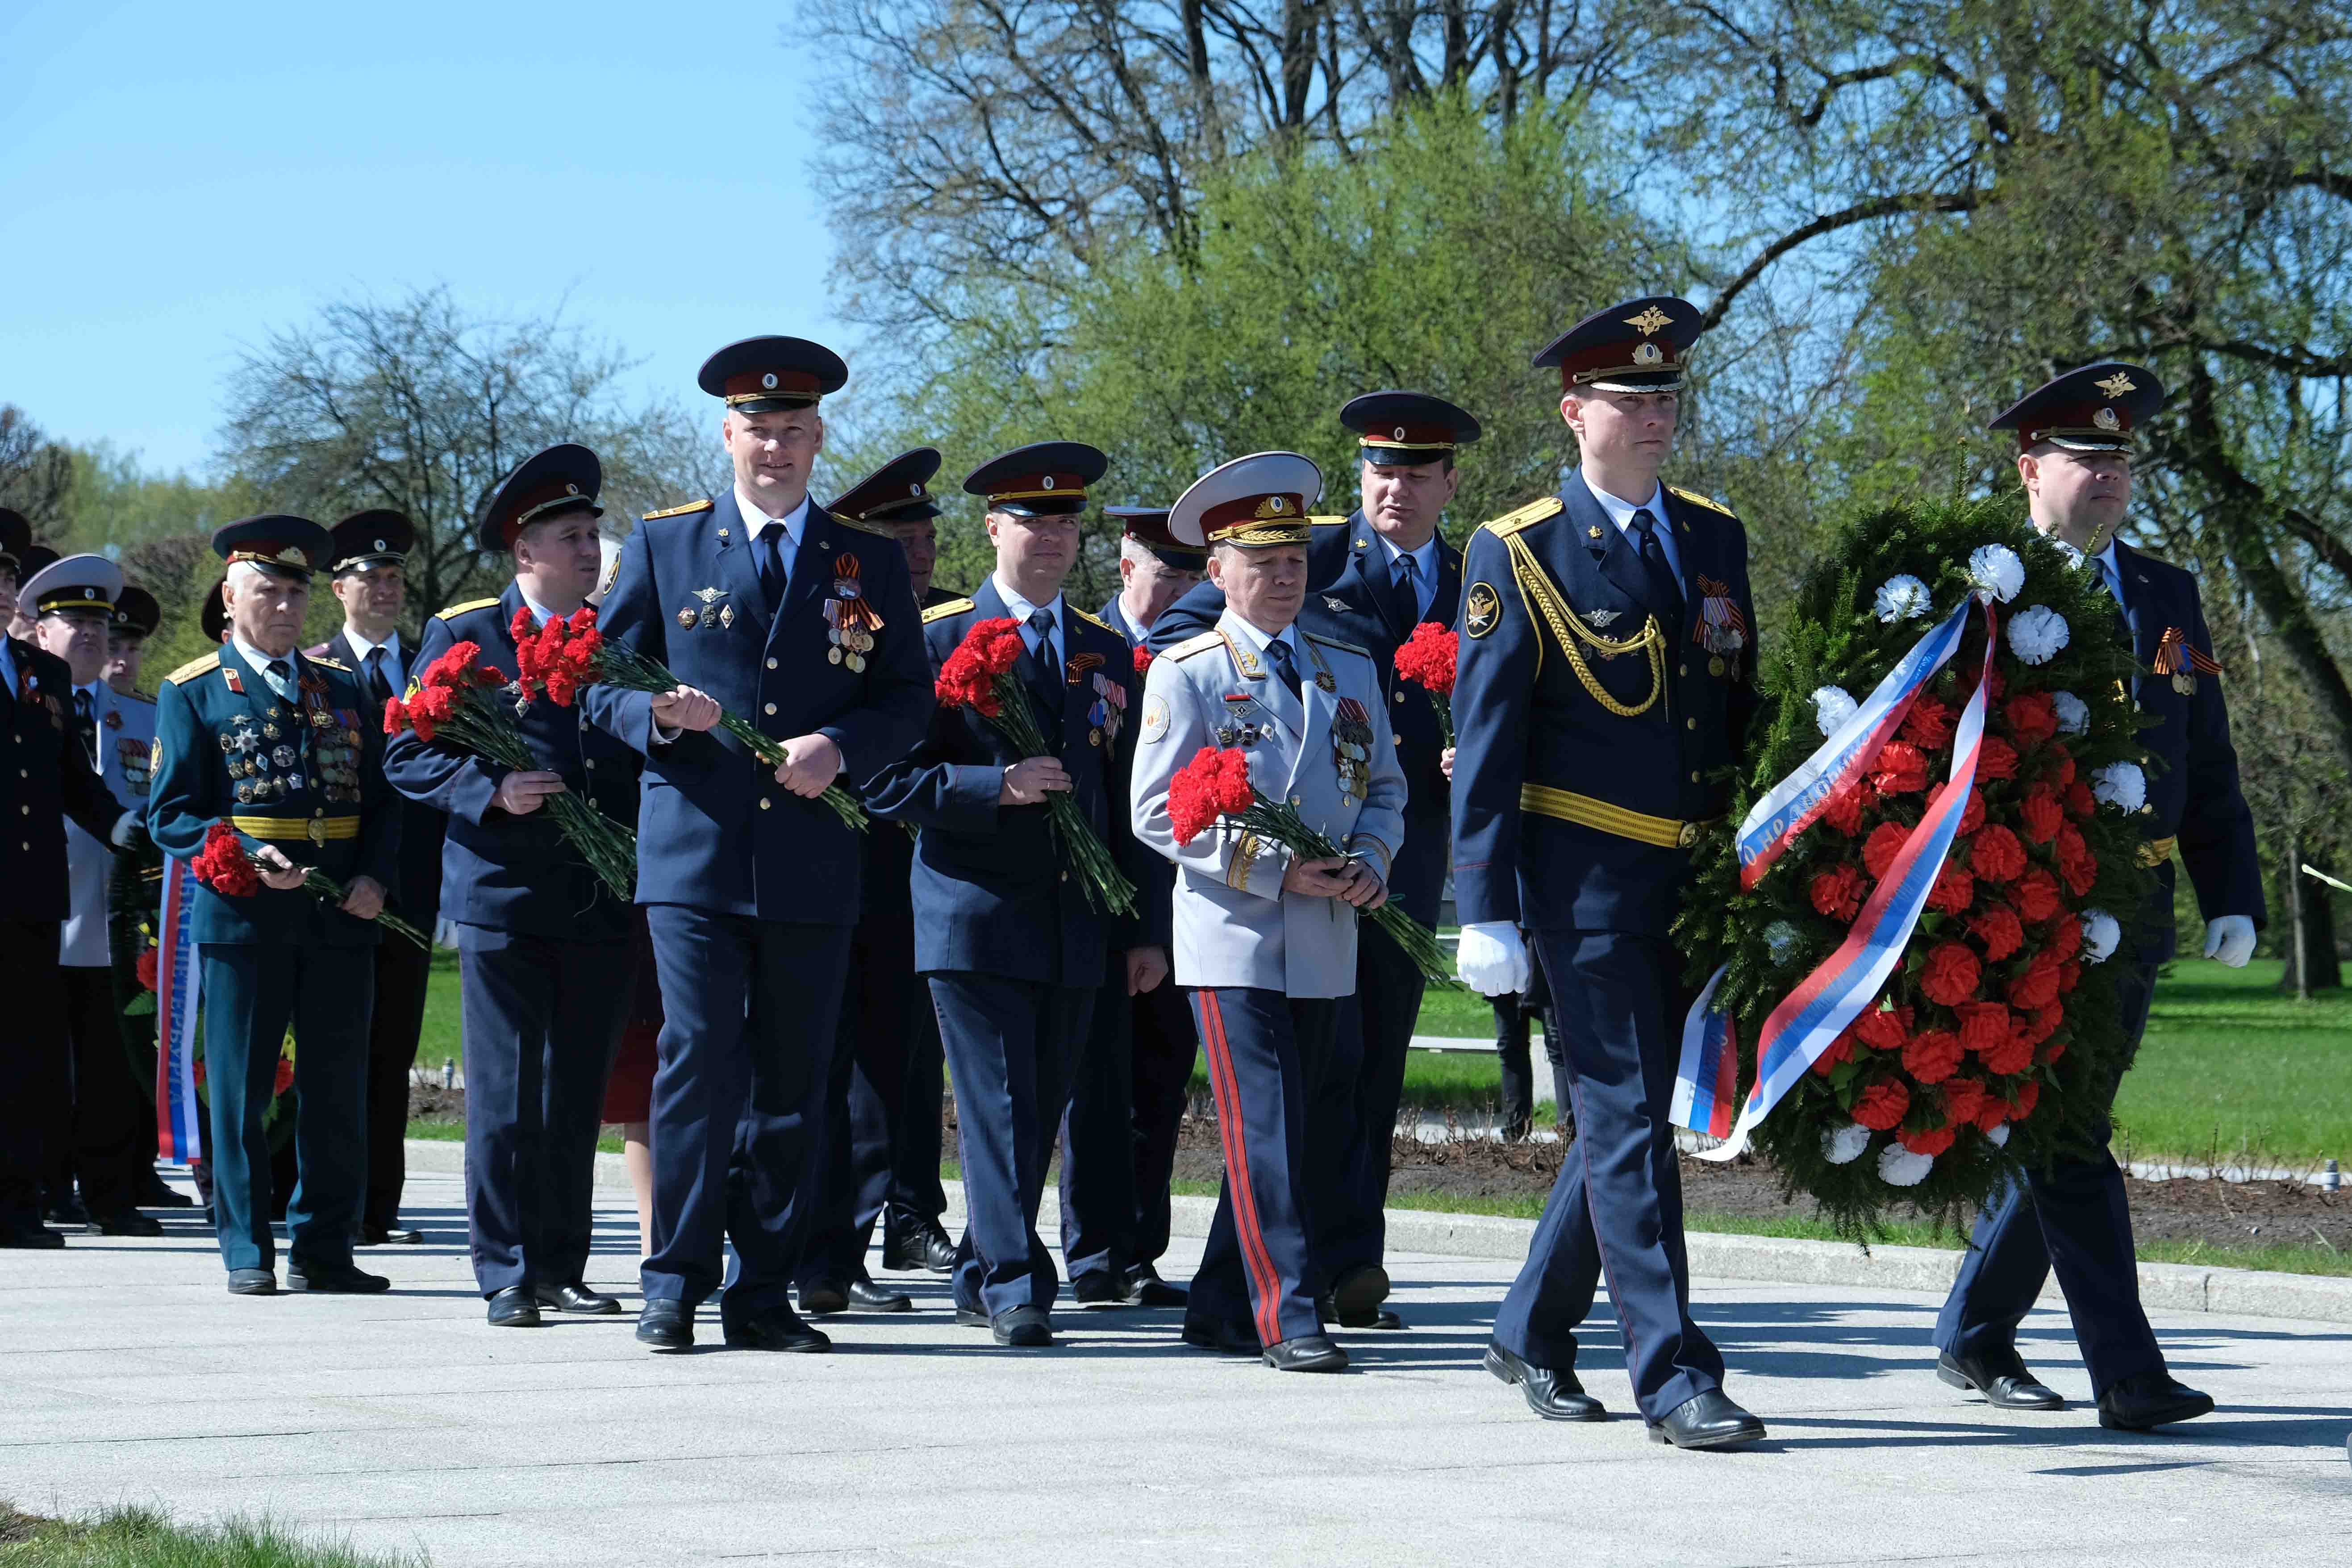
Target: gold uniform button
[[1682, 669], [771, 664], [771, 709], [1690, 724], [763, 803], [1399, 697], [1694, 778], [587, 761], [23, 811]]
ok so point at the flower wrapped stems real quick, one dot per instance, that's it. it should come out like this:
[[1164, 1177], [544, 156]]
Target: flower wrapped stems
[[224, 866], [1216, 785]]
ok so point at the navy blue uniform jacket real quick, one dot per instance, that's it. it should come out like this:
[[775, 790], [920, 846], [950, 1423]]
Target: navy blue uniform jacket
[[992, 893], [715, 829], [1523, 717], [417, 897], [49, 779], [499, 871]]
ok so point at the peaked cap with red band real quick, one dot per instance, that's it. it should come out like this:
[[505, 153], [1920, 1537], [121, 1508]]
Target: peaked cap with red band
[[1638, 346], [1043, 479], [562, 478], [1407, 428], [1253, 502], [279, 542], [759, 375], [898, 491], [2094, 409]]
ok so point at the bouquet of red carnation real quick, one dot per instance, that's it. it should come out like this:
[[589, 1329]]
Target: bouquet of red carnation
[[1142, 659], [224, 866], [1427, 660], [1216, 785], [455, 701], [565, 655], [979, 675]]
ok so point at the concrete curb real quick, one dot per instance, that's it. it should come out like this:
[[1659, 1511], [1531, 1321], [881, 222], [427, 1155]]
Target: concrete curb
[[1781, 1260]]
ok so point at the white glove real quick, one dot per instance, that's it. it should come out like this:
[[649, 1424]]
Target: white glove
[[1491, 959], [2230, 939]]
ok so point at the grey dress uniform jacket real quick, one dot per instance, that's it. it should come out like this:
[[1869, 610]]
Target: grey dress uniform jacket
[[124, 739]]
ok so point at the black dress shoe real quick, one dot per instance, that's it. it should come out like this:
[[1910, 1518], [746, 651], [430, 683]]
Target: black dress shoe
[[124, 1222], [924, 1245], [873, 1298], [325, 1278], [823, 1298], [1357, 1295], [1307, 1352], [577, 1298], [1023, 1328], [666, 1325], [1146, 1289], [1217, 1334], [777, 1328], [2151, 1399], [155, 1193], [1552, 1393], [1708, 1420], [514, 1308], [31, 1238], [252, 1282], [2002, 1379], [970, 1318], [67, 1211], [1377, 1317], [395, 1236], [1099, 1288]]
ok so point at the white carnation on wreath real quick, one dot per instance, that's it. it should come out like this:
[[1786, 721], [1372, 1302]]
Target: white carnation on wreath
[[1899, 1167], [1779, 940], [1999, 1136], [1901, 597], [2036, 634], [2121, 785], [1833, 706], [2073, 713], [2101, 932], [1844, 1145], [1996, 569]]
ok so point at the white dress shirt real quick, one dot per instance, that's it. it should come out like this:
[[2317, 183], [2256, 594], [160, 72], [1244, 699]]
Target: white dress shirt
[[1621, 512], [1021, 610]]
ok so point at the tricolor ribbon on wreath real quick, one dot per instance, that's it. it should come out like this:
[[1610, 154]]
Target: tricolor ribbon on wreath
[[1811, 1017], [179, 1114]]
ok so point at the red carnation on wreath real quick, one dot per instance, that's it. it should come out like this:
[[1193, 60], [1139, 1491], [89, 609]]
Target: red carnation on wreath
[[146, 966], [283, 1078], [1429, 659], [1883, 1105]]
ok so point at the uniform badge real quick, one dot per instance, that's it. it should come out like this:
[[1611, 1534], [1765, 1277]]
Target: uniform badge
[[850, 621], [686, 619], [2183, 660], [236, 682], [1599, 619], [1155, 717], [710, 597], [726, 617], [114, 718], [1352, 749], [1334, 604], [1109, 710], [1720, 629], [1481, 609]]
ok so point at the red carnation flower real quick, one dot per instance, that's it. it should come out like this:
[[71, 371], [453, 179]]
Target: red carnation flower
[[2014, 1054], [146, 968], [1996, 759], [395, 716], [1902, 769], [1213, 783], [1838, 1050], [1843, 810], [1883, 1028], [1949, 976], [1954, 890], [222, 864], [283, 1080], [2042, 814], [2028, 1095], [2081, 804], [2058, 765], [1934, 1142], [1142, 659], [1429, 657], [2000, 929], [1883, 1105], [1995, 855], [1984, 1027], [2054, 1052], [2036, 895], [2033, 717], [2076, 864], [2069, 976], [1964, 1096], [2045, 1022], [1838, 892], [2066, 938], [1991, 1114], [1884, 843], [1928, 724], [2038, 987], [1932, 1057]]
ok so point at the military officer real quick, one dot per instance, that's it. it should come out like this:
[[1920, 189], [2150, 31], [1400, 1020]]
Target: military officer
[[45, 781], [31, 561], [1605, 684], [1373, 576], [882, 1106], [543, 946], [136, 616], [1267, 942], [759, 599], [1010, 942], [113, 1128], [2075, 437], [368, 571], [1119, 1137], [285, 749]]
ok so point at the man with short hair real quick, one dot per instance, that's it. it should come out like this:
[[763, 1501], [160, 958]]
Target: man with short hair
[[136, 616], [2075, 437], [759, 599], [1267, 941], [285, 749]]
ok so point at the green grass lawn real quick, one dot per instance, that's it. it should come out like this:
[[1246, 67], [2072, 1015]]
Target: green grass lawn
[[143, 1538]]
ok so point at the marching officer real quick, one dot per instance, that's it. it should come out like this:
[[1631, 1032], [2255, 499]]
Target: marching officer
[[113, 1124], [544, 944], [882, 1106], [1604, 691], [283, 748], [2074, 442], [1010, 939], [45, 781], [1372, 577], [136, 615], [369, 573], [1266, 942], [759, 599], [1119, 1137]]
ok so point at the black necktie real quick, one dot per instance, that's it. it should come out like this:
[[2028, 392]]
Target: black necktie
[[1665, 592], [379, 684], [1278, 651], [1045, 675], [775, 577], [1405, 592], [86, 716]]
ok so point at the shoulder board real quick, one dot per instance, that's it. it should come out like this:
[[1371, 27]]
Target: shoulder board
[[702, 505], [193, 668], [1527, 516], [454, 611], [941, 612], [1697, 499], [336, 665], [146, 696], [1091, 620], [1335, 642], [1199, 643], [855, 526], [1326, 522]]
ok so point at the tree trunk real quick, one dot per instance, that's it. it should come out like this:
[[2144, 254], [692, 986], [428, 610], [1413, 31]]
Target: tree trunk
[[2313, 963]]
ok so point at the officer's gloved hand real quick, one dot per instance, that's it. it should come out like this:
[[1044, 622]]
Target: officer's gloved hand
[[1491, 959], [2230, 938]]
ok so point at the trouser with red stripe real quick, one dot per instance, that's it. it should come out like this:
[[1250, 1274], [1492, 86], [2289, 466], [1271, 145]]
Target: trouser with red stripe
[[1266, 1054]]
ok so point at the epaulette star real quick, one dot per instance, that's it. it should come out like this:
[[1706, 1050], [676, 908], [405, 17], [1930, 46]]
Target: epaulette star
[[941, 612], [703, 505]]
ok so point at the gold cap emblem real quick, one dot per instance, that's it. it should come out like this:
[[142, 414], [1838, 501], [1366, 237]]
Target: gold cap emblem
[[1648, 353], [2117, 385], [1649, 321], [2106, 420]]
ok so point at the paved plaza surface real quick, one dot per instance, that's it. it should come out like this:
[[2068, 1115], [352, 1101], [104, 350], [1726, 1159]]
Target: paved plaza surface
[[402, 1422]]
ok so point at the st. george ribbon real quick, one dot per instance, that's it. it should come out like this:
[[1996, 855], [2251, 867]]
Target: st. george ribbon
[[1811, 1017]]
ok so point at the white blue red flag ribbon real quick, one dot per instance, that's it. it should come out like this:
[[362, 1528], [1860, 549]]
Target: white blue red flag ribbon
[[1707, 1083], [1790, 807], [179, 1114], [1811, 1017]]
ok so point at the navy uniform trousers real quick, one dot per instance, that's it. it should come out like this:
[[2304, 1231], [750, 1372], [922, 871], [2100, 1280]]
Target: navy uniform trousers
[[36, 1069], [1011, 1047], [742, 1087], [539, 1033], [1267, 1057], [252, 990], [1352, 1136], [1620, 1191], [1118, 1138], [2073, 1216]]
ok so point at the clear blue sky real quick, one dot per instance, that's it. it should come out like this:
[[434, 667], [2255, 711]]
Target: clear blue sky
[[178, 180]]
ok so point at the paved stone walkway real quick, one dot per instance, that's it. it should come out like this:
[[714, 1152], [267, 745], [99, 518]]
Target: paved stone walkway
[[127, 1374]]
